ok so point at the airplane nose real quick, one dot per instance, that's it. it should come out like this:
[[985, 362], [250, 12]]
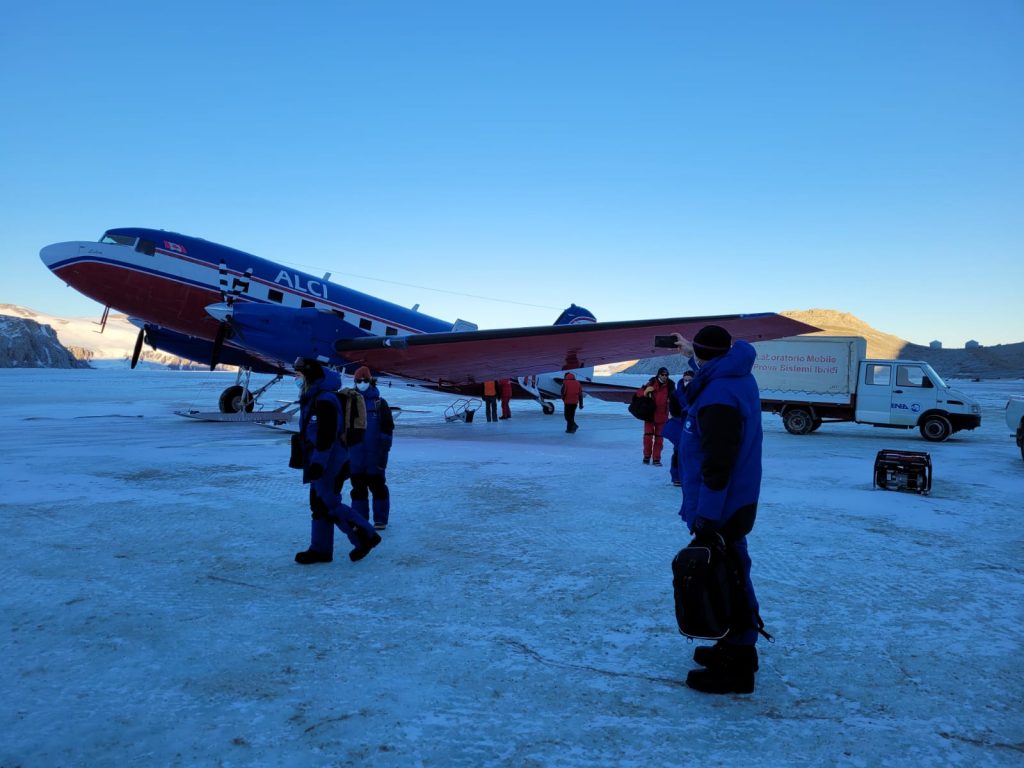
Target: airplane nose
[[53, 255]]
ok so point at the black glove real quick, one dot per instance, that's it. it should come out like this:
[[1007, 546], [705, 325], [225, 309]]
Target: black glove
[[315, 471]]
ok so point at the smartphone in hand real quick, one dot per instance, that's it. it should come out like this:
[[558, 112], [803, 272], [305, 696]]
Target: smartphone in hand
[[665, 342]]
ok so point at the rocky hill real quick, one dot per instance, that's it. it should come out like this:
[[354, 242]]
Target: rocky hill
[[25, 343], [82, 338], [1003, 361]]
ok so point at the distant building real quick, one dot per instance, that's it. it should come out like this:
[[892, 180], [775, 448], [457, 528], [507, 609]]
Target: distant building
[[972, 344], [935, 344]]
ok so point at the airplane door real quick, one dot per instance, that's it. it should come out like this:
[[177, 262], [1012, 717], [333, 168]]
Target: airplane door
[[912, 394], [874, 393]]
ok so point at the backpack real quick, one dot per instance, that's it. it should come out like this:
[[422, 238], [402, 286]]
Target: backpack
[[642, 407], [384, 417], [352, 408], [710, 593]]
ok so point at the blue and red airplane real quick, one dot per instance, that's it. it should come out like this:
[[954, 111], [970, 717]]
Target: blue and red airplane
[[210, 303]]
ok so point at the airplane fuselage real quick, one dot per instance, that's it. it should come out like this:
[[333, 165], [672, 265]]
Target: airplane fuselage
[[168, 280]]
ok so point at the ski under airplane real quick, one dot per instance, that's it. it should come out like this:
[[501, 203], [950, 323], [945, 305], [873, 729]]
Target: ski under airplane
[[210, 303]]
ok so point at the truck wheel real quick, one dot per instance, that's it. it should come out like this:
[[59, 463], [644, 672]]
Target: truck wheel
[[231, 400], [798, 421], [936, 428], [815, 425]]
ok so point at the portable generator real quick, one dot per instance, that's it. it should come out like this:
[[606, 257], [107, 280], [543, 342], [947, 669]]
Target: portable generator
[[903, 471]]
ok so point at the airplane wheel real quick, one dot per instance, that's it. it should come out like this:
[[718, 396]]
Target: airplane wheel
[[231, 400], [548, 408], [935, 429]]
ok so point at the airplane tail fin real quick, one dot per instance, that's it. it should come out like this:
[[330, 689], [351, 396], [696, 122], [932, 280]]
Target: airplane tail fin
[[575, 315]]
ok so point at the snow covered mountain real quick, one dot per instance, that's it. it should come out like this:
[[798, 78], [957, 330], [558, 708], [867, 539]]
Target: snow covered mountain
[[80, 336]]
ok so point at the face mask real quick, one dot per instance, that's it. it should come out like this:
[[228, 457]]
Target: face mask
[[362, 385]]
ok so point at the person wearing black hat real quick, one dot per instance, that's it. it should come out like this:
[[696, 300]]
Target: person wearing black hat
[[320, 421], [658, 389], [720, 456]]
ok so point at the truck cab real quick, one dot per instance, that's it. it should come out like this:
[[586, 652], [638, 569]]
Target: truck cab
[[909, 393]]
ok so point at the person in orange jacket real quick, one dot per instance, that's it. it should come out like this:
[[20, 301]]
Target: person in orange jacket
[[658, 389], [491, 400], [505, 389], [572, 398]]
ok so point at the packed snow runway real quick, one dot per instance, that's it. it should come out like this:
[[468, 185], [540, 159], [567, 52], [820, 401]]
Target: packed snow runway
[[519, 611]]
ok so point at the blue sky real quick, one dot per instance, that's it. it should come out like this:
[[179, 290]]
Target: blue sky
[[495, 161]]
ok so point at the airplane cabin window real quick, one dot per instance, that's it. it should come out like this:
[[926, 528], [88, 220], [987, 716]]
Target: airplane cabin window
[[339, 313], [275, 295], [306, 304], [389, 331], [365, 324]]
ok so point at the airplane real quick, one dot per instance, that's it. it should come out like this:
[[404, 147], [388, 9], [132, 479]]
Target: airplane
[[206, 302]]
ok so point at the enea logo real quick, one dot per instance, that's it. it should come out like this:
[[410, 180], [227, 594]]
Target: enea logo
[[915, 407]]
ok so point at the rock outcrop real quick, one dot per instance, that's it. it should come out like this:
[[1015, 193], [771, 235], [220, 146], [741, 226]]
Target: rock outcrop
[[24, 343]]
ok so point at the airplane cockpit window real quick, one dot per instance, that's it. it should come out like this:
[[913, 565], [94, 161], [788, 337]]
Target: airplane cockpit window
[[147, 247], [117, 239]]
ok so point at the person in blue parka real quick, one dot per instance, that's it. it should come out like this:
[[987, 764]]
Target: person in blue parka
[[368, 461], [320, 422], [720, 458]]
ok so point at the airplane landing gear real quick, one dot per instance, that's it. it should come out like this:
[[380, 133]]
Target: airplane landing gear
[[547, 406], [235, 399], [238, 397]]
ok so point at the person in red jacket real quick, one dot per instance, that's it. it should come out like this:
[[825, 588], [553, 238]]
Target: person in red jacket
[[658, 389], [572, 397], [505, 390]]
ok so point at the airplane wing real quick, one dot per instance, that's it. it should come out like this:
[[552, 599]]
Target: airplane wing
[[474, 356]]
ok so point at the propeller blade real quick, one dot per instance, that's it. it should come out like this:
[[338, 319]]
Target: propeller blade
[[138, 347], [218, 344]]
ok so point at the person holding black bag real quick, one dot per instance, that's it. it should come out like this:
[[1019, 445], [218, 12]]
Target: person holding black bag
[[720, 456], [322, 454], [657, 389]]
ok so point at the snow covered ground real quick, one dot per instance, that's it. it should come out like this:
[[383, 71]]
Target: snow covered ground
[[519, 611]]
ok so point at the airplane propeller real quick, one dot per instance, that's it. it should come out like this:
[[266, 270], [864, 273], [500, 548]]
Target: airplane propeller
[[218, 343], [238, 285], [138, 346]]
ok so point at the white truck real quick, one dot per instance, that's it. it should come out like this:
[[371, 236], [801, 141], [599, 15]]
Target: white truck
[[810, 380], [1015, 420]]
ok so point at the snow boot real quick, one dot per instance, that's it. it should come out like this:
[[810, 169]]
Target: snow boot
[[734, 675], [367, 541], [713, 656], [311, 556]]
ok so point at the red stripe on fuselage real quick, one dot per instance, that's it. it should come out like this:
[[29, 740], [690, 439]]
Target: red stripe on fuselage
[[153, 298]]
